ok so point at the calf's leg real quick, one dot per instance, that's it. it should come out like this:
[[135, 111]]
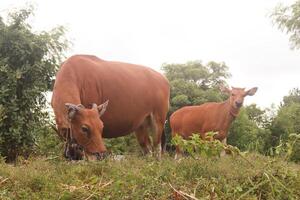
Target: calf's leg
[[223, 152]]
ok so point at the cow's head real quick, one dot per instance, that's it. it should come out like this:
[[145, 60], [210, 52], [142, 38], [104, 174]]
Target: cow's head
[[86, 130], [237, 95]]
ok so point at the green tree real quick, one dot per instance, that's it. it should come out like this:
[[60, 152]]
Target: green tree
[[287, 122], [293, 97], [28, 62], [194, 83], [287, 19], [248, 131]]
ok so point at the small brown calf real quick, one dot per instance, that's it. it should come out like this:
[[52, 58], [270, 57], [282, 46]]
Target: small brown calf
[[211, 116]]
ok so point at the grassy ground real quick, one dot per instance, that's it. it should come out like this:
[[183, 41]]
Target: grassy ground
[[145, 178]]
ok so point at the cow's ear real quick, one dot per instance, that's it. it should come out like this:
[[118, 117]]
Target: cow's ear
[[252, 91], [72, 109], [102, 108], [225, 89]]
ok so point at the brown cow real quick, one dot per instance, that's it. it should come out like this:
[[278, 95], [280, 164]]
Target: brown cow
[[138, 101], [211, 116]]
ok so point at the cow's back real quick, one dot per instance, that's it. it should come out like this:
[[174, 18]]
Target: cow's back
[[133, 91]]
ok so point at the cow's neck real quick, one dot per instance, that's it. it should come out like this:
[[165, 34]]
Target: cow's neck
[[231, 112]]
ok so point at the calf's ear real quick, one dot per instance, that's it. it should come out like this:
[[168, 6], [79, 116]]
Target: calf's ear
[[252, 91], [102, 108], [225, 89]]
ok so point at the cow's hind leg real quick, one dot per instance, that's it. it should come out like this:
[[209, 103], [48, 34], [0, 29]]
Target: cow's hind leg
[[155, 125], [177, 153], [143, 138], [158, 124]]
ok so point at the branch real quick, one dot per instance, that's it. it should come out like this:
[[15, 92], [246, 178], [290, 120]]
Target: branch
[[183, 194]]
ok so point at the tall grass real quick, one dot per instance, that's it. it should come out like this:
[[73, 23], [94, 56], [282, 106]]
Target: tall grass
[[137, 177]]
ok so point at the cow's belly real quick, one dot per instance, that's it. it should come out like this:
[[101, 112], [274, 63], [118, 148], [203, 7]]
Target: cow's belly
[[120, 126], [212, 127], [196, 127], [117, 130]]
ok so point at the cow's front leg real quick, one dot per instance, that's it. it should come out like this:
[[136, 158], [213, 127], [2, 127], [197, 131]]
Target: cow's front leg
[[223, 152], [222, 136]]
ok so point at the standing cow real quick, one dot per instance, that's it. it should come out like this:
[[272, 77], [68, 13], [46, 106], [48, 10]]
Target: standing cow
[[211, 116], [138, 102]]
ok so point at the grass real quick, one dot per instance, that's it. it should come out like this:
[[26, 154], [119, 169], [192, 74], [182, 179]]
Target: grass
[[146, 178]]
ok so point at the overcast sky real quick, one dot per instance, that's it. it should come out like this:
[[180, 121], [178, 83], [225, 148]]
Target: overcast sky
[[151, 33]]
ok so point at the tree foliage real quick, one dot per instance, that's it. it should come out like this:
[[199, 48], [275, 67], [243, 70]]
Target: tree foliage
[[248, 131], [293, 97], [194, 83], [287, 123], [288, 20], [287, 120], [28, 62]]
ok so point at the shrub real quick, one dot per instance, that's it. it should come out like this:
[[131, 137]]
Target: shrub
[[289, 149], [28, 62]]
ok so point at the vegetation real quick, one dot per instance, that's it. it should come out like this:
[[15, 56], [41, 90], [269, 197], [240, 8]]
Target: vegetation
[[286, 124], [195, 83], [287, 19], [146, 178], [28, 62], [262, 141], [255, 129]]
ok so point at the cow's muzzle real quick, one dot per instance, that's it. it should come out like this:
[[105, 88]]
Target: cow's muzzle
[[239, 104]]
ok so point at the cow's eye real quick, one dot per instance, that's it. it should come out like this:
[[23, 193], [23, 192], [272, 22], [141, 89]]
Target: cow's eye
[[85, 129]]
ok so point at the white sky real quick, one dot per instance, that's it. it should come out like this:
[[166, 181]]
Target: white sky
[[150, 33]]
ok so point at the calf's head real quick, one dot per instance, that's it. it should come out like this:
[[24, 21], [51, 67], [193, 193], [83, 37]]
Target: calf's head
[[237, 95], [86, 129]]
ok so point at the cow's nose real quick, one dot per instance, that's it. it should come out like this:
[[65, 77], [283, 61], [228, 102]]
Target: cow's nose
[[238, 104]]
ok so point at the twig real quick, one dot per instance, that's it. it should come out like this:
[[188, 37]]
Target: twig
[[241, 155], [212, 194], [280, 183], [106, 184], [255, 187], [183, 194], [271, 185], [3, 181], [51, 158], [196, 188], [248, 161]]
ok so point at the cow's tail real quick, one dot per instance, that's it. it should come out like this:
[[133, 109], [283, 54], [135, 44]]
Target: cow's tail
[[153, 128], [163, 141]]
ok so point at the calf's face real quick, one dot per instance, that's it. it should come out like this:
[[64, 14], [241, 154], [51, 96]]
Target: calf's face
[[237, 95], [86, 129]]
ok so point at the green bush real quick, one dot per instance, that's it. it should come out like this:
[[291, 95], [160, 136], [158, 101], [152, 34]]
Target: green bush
[[28, 62], [47, 143], [196, 147], [123, 145], [289, 149], [246, 134]]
